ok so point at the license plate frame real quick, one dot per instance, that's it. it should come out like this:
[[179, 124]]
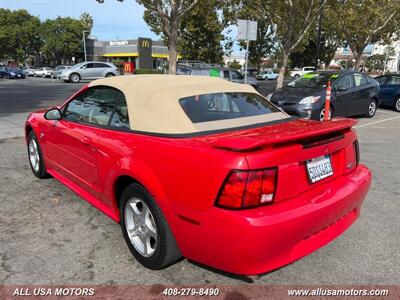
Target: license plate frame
[[319, 168]]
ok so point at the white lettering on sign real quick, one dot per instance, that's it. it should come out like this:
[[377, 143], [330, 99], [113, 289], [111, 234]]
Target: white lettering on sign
[[118, 43]]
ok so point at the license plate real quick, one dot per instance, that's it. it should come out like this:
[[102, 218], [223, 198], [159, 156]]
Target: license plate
[[319, 168]]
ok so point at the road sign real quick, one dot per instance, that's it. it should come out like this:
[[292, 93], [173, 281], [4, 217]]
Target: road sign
[[247, 30]]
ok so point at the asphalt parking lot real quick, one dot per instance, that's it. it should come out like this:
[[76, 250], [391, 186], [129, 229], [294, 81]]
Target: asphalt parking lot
[[48, 235]]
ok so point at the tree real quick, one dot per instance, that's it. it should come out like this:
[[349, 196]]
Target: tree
[[201, 32], [170, 13], [235, 65], [87, 22], [19, 35], [365, 22], [62, 38], [292, 19], [332, 37], [305, 55]]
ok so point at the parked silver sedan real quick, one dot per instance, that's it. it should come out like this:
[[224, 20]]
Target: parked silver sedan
[[88, 70]]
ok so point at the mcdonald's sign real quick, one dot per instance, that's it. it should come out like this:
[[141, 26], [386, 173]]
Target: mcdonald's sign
[[129, 67], [145, 43], [145, 52]]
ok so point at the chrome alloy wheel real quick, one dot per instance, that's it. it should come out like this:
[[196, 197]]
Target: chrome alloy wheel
[[398, 104], [322, 115], [75, 78], [372, 108], [34, 156], [140, 226]]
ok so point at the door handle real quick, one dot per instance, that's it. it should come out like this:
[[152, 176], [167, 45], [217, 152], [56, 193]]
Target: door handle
[[86, 140]]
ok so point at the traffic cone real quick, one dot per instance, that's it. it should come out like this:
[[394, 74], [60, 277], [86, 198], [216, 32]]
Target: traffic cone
[[327, 101]]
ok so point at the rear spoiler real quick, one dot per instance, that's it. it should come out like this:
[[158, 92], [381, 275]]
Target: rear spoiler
[[305, 130]]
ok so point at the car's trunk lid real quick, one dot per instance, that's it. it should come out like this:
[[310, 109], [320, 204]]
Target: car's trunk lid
[[289, 147], [277, 134]]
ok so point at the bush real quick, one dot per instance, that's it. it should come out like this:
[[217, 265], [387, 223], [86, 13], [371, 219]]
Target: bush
[[148, 71]]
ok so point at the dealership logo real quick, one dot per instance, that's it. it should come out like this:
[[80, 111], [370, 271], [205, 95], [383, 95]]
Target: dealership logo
[[145, 43], [118, 43]]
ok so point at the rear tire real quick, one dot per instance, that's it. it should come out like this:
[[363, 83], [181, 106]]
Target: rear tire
[[371, 109], [35, 156], [322, 114], [143, 223], [296, 76], [397, 105]]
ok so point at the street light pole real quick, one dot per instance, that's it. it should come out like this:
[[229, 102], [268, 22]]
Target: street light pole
[[84, 43], [321, 15]]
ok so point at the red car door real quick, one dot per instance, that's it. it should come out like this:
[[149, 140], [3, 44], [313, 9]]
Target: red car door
[[72, 142], [71, 147]]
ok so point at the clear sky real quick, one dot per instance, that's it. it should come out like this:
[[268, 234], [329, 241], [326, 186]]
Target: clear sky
[[112, 19]]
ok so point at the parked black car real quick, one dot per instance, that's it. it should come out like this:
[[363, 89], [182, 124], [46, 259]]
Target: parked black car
[[7, 72], [353, 93], [389, 93]]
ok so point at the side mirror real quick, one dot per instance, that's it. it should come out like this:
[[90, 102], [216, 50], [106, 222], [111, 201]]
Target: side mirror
[[53, 114]]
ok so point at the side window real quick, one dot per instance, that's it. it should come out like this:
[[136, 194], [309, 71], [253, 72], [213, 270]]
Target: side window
[[183, 71], [381, 80], [359, 79], [88, 66], [236, 75], [394, 80], [120, 116], [345, 82], [98, 106], [100, 65]]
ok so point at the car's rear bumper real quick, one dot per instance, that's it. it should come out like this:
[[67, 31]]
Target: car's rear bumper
[[255, 241]]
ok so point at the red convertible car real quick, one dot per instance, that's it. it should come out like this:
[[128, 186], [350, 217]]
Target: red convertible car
[[202, 168]]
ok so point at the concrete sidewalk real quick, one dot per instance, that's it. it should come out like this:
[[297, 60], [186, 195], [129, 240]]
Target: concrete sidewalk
[[12, 125]]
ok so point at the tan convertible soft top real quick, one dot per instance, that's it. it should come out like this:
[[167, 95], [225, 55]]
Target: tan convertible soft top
[[153, 102]]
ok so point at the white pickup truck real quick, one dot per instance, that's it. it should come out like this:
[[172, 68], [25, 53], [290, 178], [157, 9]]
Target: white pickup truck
[[297, 73]]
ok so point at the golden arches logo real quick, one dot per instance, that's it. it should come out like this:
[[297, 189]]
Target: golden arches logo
[[145, 43], [128, 67]]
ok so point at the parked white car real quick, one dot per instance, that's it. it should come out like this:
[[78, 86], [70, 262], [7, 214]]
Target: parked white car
[[88, 70], [267, 75], [297, 73], [43, 72], [29, 71]]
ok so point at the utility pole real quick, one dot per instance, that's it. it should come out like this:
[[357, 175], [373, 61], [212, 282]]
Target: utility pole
[[247, 30], [321, 16], [246, 62], [84, 43]]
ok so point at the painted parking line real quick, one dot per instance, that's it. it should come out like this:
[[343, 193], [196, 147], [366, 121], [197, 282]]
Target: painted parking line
[[387, 113], [377, 122]]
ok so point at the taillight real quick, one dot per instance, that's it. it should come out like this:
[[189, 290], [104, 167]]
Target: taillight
[[244, 189], [357, 152]]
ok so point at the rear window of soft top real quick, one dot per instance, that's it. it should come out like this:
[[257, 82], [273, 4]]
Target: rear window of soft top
[[223, 106]]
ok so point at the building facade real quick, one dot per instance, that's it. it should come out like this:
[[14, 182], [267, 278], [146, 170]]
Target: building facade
[[144, 52]]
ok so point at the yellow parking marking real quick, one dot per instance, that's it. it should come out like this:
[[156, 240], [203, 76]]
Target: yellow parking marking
[[377, 122]]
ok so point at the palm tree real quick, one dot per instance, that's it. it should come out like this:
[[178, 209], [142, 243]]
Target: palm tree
[[87, 21]]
